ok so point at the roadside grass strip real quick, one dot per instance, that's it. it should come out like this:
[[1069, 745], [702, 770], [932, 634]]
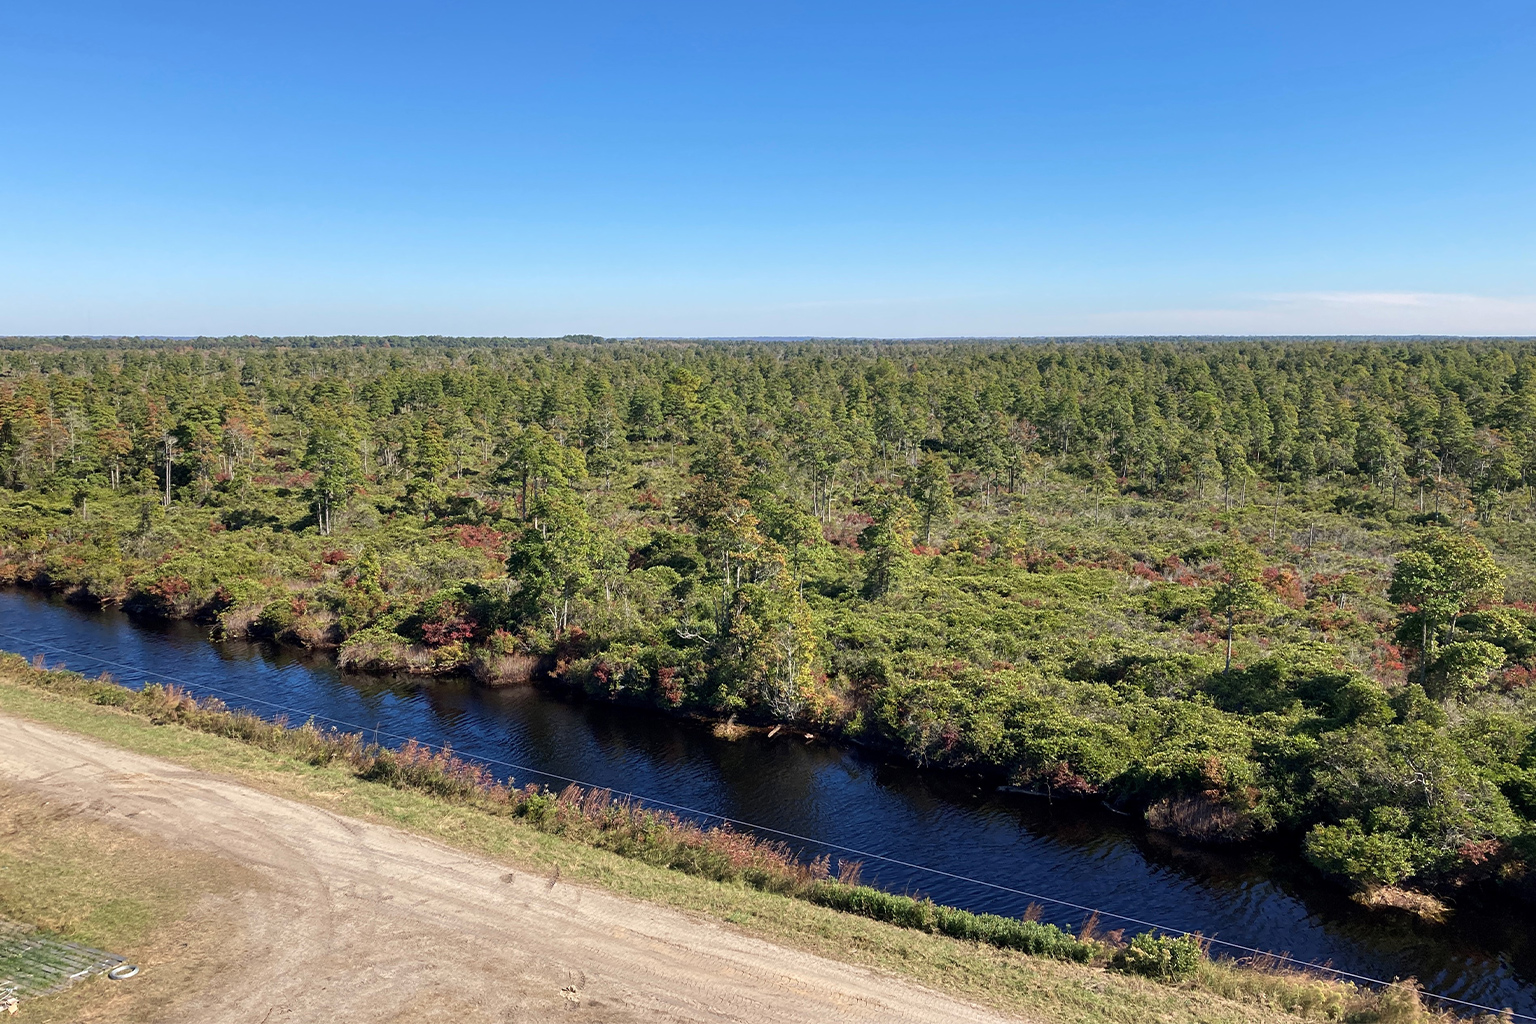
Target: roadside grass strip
[[33, 963], [718, 872]]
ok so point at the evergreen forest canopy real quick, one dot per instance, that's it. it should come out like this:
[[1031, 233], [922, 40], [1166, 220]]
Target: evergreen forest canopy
[[1241, 587]]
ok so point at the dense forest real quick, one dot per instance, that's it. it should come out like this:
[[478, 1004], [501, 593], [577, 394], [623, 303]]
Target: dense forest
[[1242, 588]]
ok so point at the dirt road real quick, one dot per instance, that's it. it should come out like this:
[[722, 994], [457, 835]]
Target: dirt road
[[360, 922]]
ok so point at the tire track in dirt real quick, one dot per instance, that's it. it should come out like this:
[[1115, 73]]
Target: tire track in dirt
[[360, 922]]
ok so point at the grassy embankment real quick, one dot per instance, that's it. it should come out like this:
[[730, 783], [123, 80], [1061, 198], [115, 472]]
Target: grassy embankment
[[73, 875], [445, 801]]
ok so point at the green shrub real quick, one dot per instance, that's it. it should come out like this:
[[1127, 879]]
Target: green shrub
[[111, 696], [276, 616], [538, 807], [1348, 850], [1012, 933], [873, 903], [1165, 957], [1004, 932]]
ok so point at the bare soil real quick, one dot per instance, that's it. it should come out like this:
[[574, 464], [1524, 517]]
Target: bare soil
[[341, 920]]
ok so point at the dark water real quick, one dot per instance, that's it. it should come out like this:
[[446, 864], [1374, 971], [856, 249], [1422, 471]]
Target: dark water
[[1082, 854]]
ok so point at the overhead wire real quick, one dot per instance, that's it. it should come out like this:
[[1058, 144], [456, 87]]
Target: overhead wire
[[841, 849]]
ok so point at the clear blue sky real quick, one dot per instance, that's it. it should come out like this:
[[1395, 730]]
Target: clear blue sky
[[880, 169]]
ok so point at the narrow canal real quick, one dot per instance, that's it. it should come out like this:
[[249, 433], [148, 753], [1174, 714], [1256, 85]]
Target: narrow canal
[[1085, 855]]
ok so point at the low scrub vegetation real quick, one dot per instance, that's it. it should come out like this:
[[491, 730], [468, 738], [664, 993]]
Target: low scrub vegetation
[[1165, 957], [1258, 589]]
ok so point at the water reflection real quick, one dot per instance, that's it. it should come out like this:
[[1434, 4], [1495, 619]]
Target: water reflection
[[1085, 854]]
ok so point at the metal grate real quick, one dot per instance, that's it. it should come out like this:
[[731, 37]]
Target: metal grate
[[33, 963]]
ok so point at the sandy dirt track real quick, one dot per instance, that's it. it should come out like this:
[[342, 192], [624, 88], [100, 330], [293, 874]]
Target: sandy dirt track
[[360, 922]]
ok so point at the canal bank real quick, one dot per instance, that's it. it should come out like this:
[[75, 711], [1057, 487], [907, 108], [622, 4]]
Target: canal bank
[[845, 797]]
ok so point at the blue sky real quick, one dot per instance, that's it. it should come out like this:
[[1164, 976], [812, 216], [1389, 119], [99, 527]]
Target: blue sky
[[889, 169]]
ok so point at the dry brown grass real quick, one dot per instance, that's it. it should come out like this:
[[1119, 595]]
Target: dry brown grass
[[1421, 903], [1200, 818], [729, 729], [237, 621], [64, 870], [369, 655], [504, 669]]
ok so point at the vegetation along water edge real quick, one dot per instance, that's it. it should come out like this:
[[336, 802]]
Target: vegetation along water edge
[[1251, 589], [1018, 964]]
